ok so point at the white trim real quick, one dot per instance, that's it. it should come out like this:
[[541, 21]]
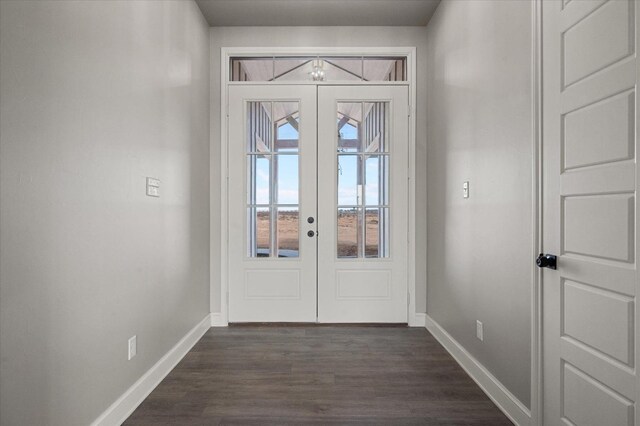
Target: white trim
[[217, 320], [319, 51], [412, 78], [228, 52], [122, 408], [418, 319], [515, 410], [536, 284], [224, 185], [318, 83]]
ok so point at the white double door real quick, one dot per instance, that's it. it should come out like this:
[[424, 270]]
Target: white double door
[[318, 203]]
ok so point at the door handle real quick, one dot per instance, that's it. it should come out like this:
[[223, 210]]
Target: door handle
[[310, 219], [311, 234], [547, 261]]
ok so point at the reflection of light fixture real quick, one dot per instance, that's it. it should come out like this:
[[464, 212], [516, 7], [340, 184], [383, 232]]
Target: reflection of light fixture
[[318, 73]]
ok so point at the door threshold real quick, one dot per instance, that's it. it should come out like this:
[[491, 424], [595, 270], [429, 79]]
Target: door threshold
[[317, 324]]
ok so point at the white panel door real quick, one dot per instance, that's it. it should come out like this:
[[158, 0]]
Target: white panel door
[[590, 110], [272, 193], [362, 203]]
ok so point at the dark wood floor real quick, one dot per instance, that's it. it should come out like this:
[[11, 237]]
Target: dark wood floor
[[263, 375]]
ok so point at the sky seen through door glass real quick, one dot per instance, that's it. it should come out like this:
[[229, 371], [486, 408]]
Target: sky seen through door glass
[[288, 170]]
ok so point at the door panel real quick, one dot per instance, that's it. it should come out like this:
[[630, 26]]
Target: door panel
[[585, 127], [590, 212], [597, 39], [272, 181], [363, 205], [590, 403]]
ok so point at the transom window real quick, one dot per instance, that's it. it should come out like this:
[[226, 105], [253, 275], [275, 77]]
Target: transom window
[[319, 68]]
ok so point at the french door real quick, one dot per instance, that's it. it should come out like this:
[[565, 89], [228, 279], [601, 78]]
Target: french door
[[318, 203]]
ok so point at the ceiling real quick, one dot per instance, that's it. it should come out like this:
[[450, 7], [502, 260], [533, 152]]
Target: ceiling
[[292, 13]]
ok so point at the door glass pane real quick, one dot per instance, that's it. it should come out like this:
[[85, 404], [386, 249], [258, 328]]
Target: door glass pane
[[348, 176], [252, 69], [259, 170], [372, 181], [385, 69], [341, 68], [287, 137], [349, 231], [376, 180], [259, 225], [273, 182], [363, 179], [259, 126], [288, 232], [286, 117], [287, 179], [349, 118], [371, 230], [292, 69], [376, 232], [374, 127]]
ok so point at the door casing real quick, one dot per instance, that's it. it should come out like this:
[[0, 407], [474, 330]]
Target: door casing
[[221, 319]]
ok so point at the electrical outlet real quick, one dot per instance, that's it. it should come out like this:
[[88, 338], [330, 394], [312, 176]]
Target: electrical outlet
[[133, 347], [479, 330]]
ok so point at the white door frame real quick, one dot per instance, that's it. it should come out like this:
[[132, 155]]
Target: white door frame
[[536, 212], [226, 53]]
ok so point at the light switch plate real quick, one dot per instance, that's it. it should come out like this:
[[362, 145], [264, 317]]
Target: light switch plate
[[153, 187], [465, 189], [479, 330], [133, 347]]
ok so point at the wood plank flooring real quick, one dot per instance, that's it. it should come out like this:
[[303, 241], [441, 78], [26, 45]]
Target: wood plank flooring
[[288, 375]]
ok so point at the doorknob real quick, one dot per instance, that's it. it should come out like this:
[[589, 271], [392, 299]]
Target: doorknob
[[310, 219], [547, 261], [311, 233]]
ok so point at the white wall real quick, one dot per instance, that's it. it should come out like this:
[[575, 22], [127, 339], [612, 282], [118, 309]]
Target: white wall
[[479, 129], [319, 37], [94, 97]]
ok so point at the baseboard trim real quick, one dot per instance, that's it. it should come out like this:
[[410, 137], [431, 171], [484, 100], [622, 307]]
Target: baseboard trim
[[496, 391], [418, 320], [217, 320], [122, 408]]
